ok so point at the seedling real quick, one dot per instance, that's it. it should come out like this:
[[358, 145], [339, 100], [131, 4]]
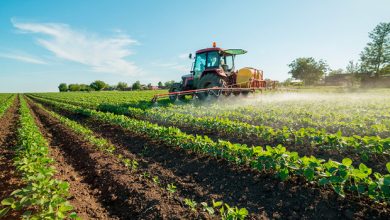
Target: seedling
[[191, 203], [207, 208], [145, 174], [171, 188], [156, 180], [132, 164]]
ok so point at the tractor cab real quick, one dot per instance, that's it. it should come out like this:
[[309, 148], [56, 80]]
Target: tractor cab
[[214, 60]]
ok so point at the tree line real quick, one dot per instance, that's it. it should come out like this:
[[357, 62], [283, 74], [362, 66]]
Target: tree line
[[374, 61], [99, 85]]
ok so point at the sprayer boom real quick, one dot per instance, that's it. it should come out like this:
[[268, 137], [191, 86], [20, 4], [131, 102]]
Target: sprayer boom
[[215, 92]]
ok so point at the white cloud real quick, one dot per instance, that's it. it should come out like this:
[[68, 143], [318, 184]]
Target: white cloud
[[107, 55], [173, 66], [22, 57], [183, 56]]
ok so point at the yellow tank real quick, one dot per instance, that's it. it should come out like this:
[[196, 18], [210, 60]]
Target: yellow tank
[[245, 75]]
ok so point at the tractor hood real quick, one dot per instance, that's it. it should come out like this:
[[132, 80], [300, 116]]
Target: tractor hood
[[235, 51]]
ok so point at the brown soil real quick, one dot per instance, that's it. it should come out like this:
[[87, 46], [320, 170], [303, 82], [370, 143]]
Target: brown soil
[[9, 178], [203, 178], [106, 185]]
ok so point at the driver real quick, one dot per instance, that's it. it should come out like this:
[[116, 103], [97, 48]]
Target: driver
[[213, 61]]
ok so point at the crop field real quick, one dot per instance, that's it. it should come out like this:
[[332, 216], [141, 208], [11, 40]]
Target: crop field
[[303, 154]]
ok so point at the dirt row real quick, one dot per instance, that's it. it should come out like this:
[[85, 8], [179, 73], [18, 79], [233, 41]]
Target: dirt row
[[203, 178], [9, 178]]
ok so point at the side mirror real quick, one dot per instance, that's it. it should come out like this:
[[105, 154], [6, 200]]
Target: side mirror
[[190, 56]]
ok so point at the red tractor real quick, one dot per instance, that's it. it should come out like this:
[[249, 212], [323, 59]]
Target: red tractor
[[213, 74]]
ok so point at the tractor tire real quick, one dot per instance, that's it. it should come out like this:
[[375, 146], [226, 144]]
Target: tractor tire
[[245, 93], [210, 81], [176, 88]]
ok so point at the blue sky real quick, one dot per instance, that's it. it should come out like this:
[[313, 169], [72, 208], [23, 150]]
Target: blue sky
[[44, 43]]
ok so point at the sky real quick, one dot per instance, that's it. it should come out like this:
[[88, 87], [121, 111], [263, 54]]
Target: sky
[[44, 43]]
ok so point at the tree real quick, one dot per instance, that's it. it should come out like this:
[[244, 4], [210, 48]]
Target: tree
[[160, 84], [84, 87], [376, 55], [121, 86], [98, 85], [352, 68], [169, 83], [307, 69], [136, 85], [385, 70], [335, 72], [111, 87], [74, 87], [63, 87]]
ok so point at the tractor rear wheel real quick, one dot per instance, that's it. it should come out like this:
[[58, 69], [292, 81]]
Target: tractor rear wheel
[[210, 81]]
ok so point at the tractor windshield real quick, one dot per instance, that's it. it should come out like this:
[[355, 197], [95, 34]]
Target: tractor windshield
[[213, 59]]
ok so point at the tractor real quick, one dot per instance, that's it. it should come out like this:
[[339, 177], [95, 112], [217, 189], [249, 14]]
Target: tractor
[[213, 74]]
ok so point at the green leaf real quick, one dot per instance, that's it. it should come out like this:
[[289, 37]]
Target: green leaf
[[65, 208], [365, 169], [388, 167], [323, 181], [4, 211], [347, 162], [362, 167], [8, 201], [210, 210], [386, 180], [73, 215], [243, 212], [309, 173], [217, 204], [283, 174]]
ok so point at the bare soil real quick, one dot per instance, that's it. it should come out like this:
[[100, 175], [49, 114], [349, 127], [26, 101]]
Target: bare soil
[[204, 178], [9, 178]]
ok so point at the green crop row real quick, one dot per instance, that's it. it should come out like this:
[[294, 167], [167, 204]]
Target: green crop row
[[6, 104], [42, 196], [266, 135], [365, 118], [339, 176], [94, 99]]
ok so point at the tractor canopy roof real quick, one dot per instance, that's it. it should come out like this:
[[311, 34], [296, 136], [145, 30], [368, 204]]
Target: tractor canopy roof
[[226, 52]]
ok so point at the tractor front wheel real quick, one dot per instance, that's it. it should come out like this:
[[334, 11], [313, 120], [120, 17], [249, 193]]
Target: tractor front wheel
[[176, 88], [210, 81]]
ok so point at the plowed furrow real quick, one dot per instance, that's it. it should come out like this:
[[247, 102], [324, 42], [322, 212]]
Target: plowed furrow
[[9, 178]]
